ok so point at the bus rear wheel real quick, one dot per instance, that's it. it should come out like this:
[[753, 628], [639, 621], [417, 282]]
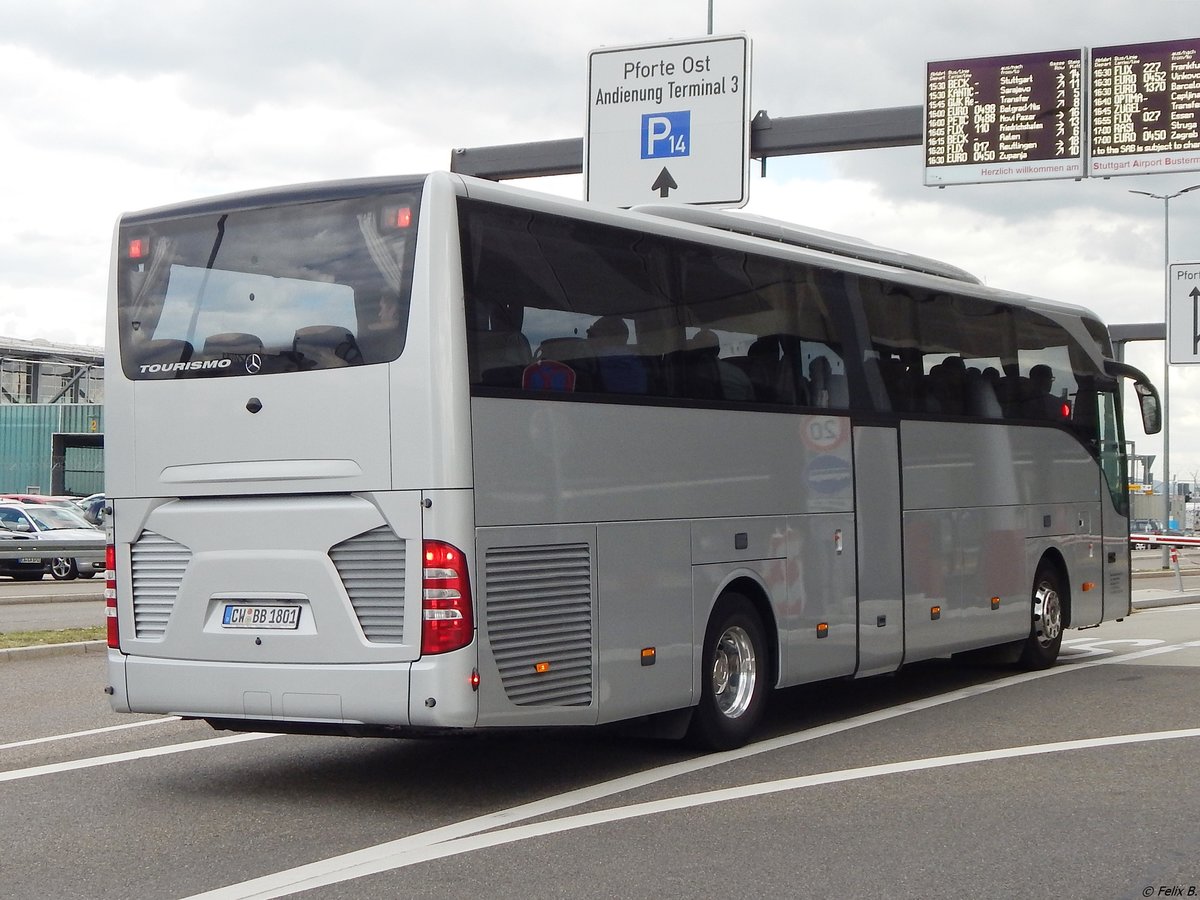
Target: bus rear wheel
[[1046, 620], [733, 676]]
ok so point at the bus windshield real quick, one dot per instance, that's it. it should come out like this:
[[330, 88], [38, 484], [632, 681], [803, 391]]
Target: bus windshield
[[256, 291]]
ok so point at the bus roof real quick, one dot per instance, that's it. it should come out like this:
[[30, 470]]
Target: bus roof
[[809, 238]]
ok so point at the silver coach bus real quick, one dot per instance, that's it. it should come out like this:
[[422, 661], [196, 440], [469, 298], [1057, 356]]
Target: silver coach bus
[[436, 453]]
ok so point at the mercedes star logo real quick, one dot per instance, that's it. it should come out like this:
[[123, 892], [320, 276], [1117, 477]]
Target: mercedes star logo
[[253, 363]]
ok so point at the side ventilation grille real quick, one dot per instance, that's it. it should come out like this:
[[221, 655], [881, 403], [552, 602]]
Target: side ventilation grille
[[539, 616], [158, 564], [371, 566]]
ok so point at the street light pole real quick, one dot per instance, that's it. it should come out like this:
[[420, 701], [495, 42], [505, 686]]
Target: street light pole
[[1166, 391]]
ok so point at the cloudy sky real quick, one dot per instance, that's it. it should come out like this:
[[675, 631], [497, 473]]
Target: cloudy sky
[[107, 107]]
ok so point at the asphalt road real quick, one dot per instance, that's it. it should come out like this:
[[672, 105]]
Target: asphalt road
[[49, 604], [944, 780]]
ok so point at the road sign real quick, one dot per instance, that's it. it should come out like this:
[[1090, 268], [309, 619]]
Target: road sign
[[1183, 314], [669, 123]]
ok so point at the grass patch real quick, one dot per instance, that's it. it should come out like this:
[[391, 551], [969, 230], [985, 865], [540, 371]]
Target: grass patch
[[61, 636]]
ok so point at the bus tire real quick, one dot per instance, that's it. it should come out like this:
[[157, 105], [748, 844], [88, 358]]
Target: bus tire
[[1046, 619], [733, 676]]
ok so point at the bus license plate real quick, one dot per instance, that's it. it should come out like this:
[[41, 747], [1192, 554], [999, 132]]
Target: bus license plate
[[245, 615]]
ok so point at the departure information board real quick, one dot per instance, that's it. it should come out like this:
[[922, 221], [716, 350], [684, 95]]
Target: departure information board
[[1004, 118], [1145, 109]]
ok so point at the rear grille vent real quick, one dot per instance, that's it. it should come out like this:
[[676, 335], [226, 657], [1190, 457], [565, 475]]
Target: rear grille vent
[[371, 566], [539, 611], [158, 564]]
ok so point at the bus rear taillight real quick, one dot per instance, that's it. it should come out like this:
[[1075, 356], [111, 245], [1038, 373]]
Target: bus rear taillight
[[110, 596], [446, 620]]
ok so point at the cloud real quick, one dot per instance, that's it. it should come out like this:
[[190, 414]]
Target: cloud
[[107, 107]]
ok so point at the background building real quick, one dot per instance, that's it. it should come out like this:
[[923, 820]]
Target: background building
[[51, 417]]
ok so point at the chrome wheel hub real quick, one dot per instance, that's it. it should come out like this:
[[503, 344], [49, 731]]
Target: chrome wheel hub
[[733, 672], [1047, 614]]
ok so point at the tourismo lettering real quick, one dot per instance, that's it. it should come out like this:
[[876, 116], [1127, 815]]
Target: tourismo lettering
[[194, 364]]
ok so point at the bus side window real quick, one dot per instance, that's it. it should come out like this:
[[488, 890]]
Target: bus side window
[[619, 369], [498, 358], [769, 369]]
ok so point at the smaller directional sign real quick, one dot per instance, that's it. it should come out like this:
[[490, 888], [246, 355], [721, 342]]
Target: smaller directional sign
[[669, 123], [1183, 314]]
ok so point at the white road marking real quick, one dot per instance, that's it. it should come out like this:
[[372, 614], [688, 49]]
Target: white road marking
[[462, 837], [147, 753], [88, 733], [514, 834]]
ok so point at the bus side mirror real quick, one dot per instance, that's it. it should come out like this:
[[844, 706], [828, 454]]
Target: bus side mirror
[[1146, 392], [1151, 407]]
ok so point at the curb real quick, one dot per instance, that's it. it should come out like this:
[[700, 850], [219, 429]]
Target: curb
[[41, 651], [50, 598]]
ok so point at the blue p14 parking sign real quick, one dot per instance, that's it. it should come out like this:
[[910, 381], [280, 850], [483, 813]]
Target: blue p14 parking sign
[[666, 134]]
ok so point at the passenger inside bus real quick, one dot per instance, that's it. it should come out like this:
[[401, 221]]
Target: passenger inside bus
[[1040, 402], [619, 371], [709, 377], [763, 365]]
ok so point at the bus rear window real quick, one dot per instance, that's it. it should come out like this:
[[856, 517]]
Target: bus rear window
[[286, 288]]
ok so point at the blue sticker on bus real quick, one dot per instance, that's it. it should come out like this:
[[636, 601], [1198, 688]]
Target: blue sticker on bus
[[829, 475]]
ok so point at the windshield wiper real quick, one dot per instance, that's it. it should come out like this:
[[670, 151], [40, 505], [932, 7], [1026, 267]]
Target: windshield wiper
[[212, 258]]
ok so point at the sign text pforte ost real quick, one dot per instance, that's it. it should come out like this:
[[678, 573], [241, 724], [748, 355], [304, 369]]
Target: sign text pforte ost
[[669, 123]]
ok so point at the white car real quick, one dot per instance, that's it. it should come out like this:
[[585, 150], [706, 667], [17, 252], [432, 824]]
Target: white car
[[50, 523]]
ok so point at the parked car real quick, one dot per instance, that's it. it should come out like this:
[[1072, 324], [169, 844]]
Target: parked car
[[48, 522], [1174, 532], [40, 499], [1144, 526], [91, 508]]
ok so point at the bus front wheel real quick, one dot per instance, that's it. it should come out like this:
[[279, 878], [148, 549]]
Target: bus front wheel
[[1046, 615], [733, 676]]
